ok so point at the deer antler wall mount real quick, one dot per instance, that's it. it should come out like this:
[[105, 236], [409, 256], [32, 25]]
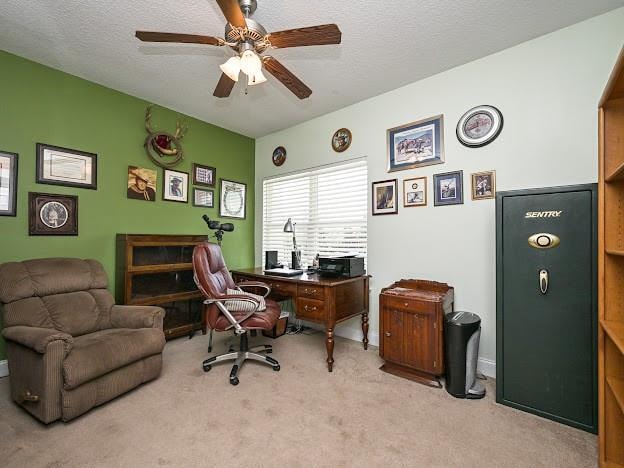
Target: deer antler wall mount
[[164, 149]]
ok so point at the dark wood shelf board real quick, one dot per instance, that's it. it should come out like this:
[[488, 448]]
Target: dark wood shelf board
[[154, 300], [163, 268], [615, 331]]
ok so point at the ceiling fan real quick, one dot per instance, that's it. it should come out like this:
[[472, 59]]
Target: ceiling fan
[[250, 40]]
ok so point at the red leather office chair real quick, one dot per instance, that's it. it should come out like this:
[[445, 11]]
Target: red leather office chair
[[213, 279]]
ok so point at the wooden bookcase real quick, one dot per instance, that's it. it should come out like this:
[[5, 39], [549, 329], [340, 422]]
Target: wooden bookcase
[[611, 270], [158, 270]]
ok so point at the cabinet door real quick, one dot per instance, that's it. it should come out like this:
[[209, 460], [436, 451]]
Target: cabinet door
[[420, 342], [392, 335]]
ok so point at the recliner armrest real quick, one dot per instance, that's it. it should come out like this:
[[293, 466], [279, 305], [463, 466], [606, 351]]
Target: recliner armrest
[[124, 316], [36, 338]]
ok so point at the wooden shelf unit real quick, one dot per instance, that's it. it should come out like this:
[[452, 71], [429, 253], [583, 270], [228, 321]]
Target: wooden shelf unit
[[611, 271], [158, 270]]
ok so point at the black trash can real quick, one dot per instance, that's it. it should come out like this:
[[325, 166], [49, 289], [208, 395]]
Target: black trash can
[[462, 331]]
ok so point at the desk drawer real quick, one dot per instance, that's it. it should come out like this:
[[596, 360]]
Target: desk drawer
[[282, 288], [311, 291], [409, 305], [310, 309]]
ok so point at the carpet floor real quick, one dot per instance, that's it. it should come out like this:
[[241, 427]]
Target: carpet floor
[[300, 416]]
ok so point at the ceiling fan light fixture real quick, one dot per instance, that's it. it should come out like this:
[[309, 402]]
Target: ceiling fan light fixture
[[256, 79], [232, 68], [250, 63]]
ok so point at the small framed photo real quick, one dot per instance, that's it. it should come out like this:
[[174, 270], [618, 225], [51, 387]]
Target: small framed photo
[[8, 183], [448, 188], [64, 166], [415, 192], [416, 144], [203, 198], [233, 199], [483, 185], [52, 214], [175, 186], [204, 175], [142, 183], [385, 197]]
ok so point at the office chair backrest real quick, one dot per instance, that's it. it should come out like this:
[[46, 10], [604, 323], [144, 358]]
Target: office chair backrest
[[213, 277]]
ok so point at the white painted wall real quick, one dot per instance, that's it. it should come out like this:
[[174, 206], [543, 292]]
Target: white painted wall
[[547, 90]]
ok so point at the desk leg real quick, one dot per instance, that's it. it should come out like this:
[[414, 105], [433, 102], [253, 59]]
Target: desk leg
[[329, 344], [365, 329]]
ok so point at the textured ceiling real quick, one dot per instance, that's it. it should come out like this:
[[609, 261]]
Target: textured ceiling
[[386, 44]]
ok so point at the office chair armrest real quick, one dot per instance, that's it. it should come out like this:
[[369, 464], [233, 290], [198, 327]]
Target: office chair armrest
[[236, 324], [255, 284]]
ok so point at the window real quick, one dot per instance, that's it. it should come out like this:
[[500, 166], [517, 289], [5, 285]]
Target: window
[[329, 206]]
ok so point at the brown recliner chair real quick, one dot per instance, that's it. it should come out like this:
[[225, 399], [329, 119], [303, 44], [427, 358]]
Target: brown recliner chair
[[228, 312], [70, 348]]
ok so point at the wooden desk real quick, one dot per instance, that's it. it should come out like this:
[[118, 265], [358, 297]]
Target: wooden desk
[[326, 301]]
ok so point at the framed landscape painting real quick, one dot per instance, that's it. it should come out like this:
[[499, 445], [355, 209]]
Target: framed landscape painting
[[416, 144]]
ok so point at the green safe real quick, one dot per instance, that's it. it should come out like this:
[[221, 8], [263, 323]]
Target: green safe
[[546, 303]]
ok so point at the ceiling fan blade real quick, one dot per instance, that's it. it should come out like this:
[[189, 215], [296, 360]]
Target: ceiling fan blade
[[312, 35], [294, 84], [152, 36], [232, 12], [224, 86]]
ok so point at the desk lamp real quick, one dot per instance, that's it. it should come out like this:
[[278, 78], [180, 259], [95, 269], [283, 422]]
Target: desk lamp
[[296, 253]]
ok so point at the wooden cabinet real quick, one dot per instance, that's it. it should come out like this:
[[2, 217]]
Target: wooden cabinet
[[411, 322], [611, 271], [158, 270]]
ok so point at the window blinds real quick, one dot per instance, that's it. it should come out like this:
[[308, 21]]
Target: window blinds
[[329, 206]]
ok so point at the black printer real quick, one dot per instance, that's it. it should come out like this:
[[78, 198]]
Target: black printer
[[348, 266]]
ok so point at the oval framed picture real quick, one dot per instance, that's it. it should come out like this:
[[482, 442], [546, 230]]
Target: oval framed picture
[[341, 140], [479, 126], [279, 155]]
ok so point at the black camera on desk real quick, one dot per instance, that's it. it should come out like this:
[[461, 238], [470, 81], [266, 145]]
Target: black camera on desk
[[347, 267]]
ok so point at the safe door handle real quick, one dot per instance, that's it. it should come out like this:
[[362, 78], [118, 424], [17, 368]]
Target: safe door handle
[[543, 281]]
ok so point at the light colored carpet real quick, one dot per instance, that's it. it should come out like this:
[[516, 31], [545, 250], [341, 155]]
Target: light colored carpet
[[300, 416]]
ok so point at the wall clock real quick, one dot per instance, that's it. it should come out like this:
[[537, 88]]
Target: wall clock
[[479, 126], [341, 140], [279, 155]]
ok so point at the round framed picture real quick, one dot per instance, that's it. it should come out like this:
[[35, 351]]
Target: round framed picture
[[341, 140], [279, 155], [479, 126]]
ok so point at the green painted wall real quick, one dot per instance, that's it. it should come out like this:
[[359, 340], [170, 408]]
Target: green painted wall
[[40, 104]]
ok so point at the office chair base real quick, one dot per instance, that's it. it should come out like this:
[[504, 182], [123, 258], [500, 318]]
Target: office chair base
[[240, 356]]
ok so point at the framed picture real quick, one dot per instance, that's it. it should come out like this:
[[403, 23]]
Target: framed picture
[[479, 126], [203, 198], [415, 192], [385, 197], [233, 199], [64, 166], [279, 156], [416, 144], [175, 186], [204, 175], [448, 188], [483, 185], [8, 183], [341, 140], [52, 214], [142, 183]]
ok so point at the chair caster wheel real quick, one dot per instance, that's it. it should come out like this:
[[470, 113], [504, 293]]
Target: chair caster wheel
[[268, 351], [234, 381], [276, 368], [206, 367]]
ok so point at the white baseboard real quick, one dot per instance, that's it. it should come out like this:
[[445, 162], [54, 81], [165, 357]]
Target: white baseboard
[[486, 366], [4, 368]]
